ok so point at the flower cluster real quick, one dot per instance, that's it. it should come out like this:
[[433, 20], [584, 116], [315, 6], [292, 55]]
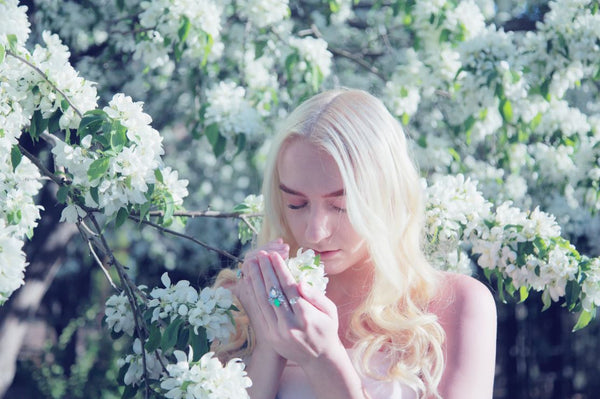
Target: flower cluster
[[205, 379], [307, 267], [172, 312], [190, 27], [210, 309], [122, 174], [526, 248], [262, 13], [230, 110], [454, 213]]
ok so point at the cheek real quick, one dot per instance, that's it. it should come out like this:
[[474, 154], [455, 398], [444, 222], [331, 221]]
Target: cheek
[[294, 223]]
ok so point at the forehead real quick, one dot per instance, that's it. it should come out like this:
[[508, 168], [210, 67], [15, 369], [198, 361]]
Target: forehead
[[304, 167]]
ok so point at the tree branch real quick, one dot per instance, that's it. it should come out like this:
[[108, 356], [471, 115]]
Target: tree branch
[[187, 237]]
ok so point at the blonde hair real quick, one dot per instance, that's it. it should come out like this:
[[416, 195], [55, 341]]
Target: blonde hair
[[385, 206]]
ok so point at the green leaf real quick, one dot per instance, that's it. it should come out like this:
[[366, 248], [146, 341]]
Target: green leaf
[[53, 122], [37, 126], [158, 176], [184, 29], [91, 122], [216, 140], [183, 338], [523, 293], [61, 194], [212, 133], [169, 209], [98, 168], [240, 142], [506, 110], [153, 339], [2, 53], [144, 209], [199, 343], [122, 215], [259, 48], [584, 319], [118, 136], [169, 338], [130, 391], [15, 156], [94, 194], [572, 292], [546, 300], [12, 42]]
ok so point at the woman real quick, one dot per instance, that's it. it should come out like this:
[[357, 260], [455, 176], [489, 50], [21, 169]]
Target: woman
[[339, 180]]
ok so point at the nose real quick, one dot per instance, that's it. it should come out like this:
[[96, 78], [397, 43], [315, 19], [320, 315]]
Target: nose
[[317, 226]]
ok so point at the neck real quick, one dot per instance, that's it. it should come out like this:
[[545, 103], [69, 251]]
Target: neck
[[348, 290]]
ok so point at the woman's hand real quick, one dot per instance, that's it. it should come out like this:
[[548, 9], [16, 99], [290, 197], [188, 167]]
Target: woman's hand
[[304, 327]]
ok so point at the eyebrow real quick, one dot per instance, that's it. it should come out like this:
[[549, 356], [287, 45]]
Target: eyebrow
[[284, 188]]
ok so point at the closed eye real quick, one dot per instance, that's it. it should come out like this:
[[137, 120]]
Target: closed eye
[[297, 206]]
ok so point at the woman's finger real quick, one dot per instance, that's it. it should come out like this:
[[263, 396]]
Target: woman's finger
[[285, 277], [317, 298], [274, 292]]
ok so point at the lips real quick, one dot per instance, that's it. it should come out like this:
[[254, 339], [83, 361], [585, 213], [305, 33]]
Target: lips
[[327, 254]]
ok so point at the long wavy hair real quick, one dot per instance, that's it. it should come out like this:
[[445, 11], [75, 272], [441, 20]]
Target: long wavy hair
[[385, 205]]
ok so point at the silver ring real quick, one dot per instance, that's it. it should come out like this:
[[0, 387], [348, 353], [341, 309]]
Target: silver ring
[[293, 300], [276, 297]]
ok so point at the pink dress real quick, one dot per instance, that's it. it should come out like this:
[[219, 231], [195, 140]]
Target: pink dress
[[293, 384]]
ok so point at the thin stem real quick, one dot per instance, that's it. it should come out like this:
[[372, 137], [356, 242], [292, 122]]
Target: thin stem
[[39, 71], [45, 171], [210, 214], [347, 54], [187, 237]]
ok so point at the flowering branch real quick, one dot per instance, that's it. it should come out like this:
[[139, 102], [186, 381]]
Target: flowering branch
[[41, 73]]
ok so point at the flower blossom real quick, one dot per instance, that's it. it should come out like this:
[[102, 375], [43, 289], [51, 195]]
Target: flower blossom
[[307, 267], [206, 378]]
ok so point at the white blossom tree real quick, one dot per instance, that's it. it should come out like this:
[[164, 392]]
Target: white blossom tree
[[505, 124]]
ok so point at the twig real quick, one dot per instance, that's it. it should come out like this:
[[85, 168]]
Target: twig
[[41, 167], [187, 237], [246, 219], [99, 262], [210, 214], [347, 54], [38, 70]]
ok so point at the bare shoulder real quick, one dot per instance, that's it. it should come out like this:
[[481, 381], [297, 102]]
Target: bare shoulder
[[463, 296], [466, 311]]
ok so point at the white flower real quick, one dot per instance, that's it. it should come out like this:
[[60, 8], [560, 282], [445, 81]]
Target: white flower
[[229, 109], [211, 312], [167, 301], [205, 379], [13, 21], [264, 12], [307, 267], [135, 371], [12, 262], [119, 316], [314, 52]]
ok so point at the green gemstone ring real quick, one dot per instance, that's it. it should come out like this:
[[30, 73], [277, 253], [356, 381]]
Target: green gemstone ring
[[276, 297]]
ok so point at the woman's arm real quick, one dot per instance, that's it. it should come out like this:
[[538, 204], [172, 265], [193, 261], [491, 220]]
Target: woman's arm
[[467, 312], [264, 368]]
